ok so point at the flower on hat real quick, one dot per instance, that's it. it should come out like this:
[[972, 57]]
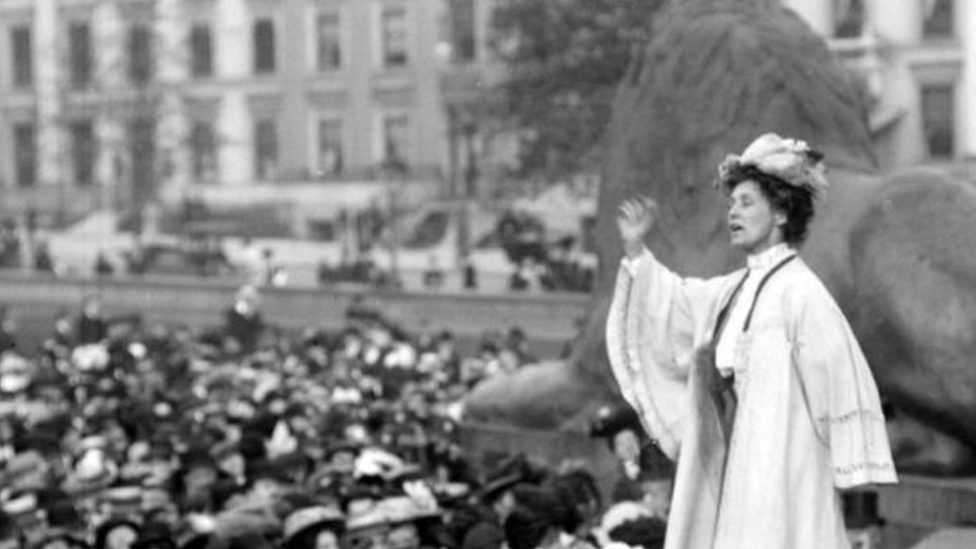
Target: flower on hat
[[790, 160]]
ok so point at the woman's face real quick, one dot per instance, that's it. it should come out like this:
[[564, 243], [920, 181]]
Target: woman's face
[[626, 445], [120, 537], [326, 539], [753, 223]]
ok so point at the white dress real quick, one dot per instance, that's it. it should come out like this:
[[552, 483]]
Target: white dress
[[808, 420]]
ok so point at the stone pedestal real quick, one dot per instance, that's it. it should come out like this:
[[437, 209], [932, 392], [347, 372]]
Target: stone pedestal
[[921, 510]]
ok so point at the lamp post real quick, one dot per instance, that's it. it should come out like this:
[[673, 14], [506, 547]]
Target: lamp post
[[469, 130], [393, 171]]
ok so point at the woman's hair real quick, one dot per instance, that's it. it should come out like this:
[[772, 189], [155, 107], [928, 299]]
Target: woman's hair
[[795, 202]]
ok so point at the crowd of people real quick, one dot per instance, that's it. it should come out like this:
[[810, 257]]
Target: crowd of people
[[120, 434]]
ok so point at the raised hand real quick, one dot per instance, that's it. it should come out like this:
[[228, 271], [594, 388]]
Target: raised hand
[[635, 218]]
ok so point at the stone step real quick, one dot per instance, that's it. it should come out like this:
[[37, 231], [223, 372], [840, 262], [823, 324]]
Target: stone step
[[949, 538], [896, 535], [929, 502]]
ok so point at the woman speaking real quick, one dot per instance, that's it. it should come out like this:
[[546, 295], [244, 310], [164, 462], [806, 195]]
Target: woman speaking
[[753, 381]]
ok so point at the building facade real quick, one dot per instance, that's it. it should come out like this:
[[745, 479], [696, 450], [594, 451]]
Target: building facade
[[918, 59], [113, 103]]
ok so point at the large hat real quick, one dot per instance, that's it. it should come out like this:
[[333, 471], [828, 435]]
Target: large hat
[[93, 472], [124, 501], [308, 519], [611, 419], [16, 373], [505, 476], [617, 515], [789, 160], [25, 470], [392, 511]]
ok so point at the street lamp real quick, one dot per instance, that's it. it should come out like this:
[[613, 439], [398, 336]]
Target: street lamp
[[393, 171]]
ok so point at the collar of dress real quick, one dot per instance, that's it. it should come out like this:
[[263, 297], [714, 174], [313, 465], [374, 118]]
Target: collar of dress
[[769, 257]]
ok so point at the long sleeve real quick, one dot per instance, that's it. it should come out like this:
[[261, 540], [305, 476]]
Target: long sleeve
[[839, 391], [656, 321]]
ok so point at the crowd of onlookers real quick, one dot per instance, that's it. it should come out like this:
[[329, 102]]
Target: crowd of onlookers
[[118, 434]]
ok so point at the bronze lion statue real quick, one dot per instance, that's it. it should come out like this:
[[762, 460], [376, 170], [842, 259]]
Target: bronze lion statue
[[897, 250]]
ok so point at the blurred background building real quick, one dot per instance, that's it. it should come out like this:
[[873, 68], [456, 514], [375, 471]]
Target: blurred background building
[[917, 58], [117, 103], [113, 103]]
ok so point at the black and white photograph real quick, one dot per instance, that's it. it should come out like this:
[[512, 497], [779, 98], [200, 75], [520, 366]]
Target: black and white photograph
[[487, 274]]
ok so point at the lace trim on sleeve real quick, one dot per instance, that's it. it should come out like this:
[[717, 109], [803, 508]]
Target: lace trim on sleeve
[[851, 416]]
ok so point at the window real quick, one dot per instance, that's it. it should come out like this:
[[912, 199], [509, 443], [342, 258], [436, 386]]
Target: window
[[83, 152], [201, 51], [330, 146], [329, 50], [264, 46], [937, 18], [142, 154], [25, 154], [938, 114], [265, 149], [461, 30], [395, 140], [394, 25], [21, 56], [140, 54], [848, 18], [80, 54], [203, 145]]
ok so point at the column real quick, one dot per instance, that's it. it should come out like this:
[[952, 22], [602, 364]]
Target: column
[[172, 72], [108, 36], [966, 128], [51, 151], [232, 33]]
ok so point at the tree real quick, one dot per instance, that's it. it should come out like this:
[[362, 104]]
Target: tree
[[563, 61]]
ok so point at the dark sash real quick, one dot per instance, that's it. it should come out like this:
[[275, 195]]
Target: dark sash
[[723, 387]]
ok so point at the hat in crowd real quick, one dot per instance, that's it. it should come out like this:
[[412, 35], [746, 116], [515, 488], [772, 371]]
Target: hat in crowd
[[504, 477], [393, 510], [620, 514], [450, 493], [93, 472], [373, 462], [304, 522], [613, 418], [25, 470], [123, 501], [644, 532], [16, 373], [24, 510], [342, 446], [91, 357]]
